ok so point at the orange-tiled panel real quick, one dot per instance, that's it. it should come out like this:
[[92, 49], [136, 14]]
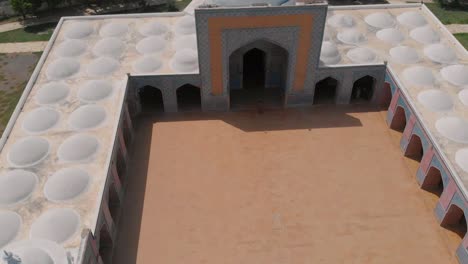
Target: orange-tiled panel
[[217, 24]]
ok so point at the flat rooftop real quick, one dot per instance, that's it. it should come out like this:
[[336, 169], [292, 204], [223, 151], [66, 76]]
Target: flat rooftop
[[316, 185]]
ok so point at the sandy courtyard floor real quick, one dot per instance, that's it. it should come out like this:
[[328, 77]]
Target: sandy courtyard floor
[[317, 185]]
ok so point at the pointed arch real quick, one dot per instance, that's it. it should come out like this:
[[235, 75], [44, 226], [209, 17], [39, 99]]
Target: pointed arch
[[188, 97], [433, 181], [455, 220], [399, 119], [151, 99], [363, 89], [415, 150], [106, 245], [325, 91]]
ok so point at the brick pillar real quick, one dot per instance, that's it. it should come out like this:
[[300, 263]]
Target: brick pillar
[[392, 107], [447, 195], [108, 219], [425, 164], [117, 183], [407, 133]]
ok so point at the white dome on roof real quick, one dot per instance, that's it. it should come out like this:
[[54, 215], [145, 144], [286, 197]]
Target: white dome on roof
[[380, 20], [151, 45], [153, 29], [461, 158], [10, 224], [71, 48], [185, 25], [78, 148], [329, 53], [440, 53], [419, 75], [94, 91], [102, 66], [390, 35], [66, 184], [87, 117], [185, 42], [463, 96], [424, 35], [34, 255], [16, 186], [455, 74], [361, 55], [147, 64], [404, 55], [62, 68], [351, 36], [341, 20], [412, 19], [114, 29], [56, 225], [40, 120], [28, 152], [110, 47], [453, 128], [435, 100], [79, 30], [185, 61], [52, 93]]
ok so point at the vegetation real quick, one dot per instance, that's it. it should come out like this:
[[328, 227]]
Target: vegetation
[[449, 14], [8, 101], [463, 38], [22, 7], [41, 32]]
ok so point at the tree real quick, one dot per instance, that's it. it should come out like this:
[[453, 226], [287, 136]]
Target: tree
[[22, 7]]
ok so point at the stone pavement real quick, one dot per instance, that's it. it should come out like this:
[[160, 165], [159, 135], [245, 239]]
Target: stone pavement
[[33, 46]]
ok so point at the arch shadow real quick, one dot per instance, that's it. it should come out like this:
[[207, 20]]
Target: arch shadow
[[363, 90], [399, 119], [414, 150], [455, 221], [433, 182], [325, 91]]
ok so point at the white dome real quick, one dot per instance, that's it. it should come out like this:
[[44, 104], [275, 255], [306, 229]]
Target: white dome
[[102, 66], [404, 55], [71, 48], [78, 148], [57, 225], [185, 61], [380, 20], [153, 29], [419, 75], [16, 186], [109, 47], [326, 35], [341, 21], [40, 120], [87, 117], [94, 91], [34, 255], [62, 68], [463, 96], [361, 55], [329, 53], [351, 36], [453, 128], [52, 93], [147, 65], [114, 29], [151, 45], [455, 74], [424, 35], [185, 25], [461, 158], [79, 30], [66, 184], [390, 35], [28, 152], [185, 42], [435, 100], [412, 19], [10, 224], [440, 53]]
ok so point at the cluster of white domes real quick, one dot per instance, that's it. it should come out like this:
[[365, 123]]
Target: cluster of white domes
[[153, 28], [78, 148], [341, 21], [16, 186], [463, 96], [412, 19], [453, 128], [419, 75], [62, 68], [186, 42], [66, 184], [390, 35], [57, 225], [361, 55], [102, 66], [114, 29], [404, 55], [150, 45], [440, 53], [111, 47], [52, 93], [425, 35], [79, 30], [10, 224], [455, 74], [94, 91], [185, 25], [329, 53], [435, 100], [351, 36], [461, 158], [40, 120], [380, 20], [71, 48], [147, 64], [87, 117], [185, 60], [28, 152]]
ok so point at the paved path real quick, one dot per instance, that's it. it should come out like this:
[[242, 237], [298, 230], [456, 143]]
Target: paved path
[[457, 28], [32, 46]]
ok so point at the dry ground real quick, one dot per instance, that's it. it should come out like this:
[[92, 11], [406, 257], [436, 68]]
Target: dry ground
[[317, 185]]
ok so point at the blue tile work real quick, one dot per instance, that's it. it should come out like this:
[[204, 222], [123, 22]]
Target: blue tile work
[[462, 254]]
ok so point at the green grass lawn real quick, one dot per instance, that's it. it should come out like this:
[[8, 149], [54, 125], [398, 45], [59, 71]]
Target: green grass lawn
[[448, 15], [463, 38], [8, 101], [33, 33]]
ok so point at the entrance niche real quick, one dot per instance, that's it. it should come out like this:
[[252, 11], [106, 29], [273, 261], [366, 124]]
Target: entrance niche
[[151, 99], [455, 221], [433, 182], [106, 245], [399, 120], [363, 89], [257, 75], [188, 98], [325, 91], [415, 150]]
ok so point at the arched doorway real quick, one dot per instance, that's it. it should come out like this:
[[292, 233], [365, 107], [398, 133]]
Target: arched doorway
[[151, 99], [114, 204], [325, 91], [363, 89], [415, 150], [257, 75], [455, 220], [399, 119], [106, 245], [433, 182], [188, 98]]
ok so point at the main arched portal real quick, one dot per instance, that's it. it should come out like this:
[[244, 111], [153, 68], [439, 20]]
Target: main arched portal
[[257, 75]]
